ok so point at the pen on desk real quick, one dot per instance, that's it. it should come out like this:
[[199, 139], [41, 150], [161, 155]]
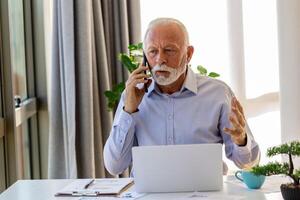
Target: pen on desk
[[88, 184]]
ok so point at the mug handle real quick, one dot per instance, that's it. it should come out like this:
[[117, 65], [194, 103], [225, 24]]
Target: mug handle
[[237, 175]]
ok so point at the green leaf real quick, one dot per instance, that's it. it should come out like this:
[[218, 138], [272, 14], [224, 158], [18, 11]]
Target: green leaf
[[292, 148], [136, 57], [297, 173], [140, 45], [109, 94], [119, 88], [113, 96], [111, 105], [127, 62], [271, 169], [136, 53], [213, 74], [132, 47], [111, 99], [295, 148], [202, 70]]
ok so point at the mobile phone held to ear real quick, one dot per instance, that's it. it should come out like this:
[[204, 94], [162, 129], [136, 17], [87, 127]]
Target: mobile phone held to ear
[[145, 63]]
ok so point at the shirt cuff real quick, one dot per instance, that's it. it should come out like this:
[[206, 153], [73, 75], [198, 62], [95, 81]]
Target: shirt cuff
[[125, 122], [243, 150]]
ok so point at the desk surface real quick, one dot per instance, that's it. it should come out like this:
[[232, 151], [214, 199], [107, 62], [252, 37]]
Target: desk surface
[[45, 190]]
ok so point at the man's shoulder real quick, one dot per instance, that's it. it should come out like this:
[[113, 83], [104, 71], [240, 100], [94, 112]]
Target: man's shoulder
[[209, 82]]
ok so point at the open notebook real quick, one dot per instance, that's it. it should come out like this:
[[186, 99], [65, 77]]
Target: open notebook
[[96, 187]]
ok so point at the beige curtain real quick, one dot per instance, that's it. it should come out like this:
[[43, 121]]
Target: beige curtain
[[87, 36]]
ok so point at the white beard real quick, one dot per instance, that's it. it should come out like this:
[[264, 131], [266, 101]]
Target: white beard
[[174, 74]]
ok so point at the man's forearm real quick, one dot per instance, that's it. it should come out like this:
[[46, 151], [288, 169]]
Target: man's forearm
[[248, 155], [117, 150]]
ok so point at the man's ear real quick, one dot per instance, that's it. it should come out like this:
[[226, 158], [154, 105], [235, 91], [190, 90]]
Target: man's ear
[[190, 52]]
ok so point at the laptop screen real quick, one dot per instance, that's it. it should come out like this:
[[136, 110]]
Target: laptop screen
[[178, 168]]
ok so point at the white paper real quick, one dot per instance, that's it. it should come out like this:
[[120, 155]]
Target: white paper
[[110, 186], [98, 187], [76, 185], [123, 196]]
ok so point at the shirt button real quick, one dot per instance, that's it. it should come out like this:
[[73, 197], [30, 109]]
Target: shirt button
[[170, 116]]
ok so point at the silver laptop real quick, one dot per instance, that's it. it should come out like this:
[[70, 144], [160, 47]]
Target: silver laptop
[[178, 168]]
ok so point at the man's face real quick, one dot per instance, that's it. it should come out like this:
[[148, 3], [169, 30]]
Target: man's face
[[166, 52]]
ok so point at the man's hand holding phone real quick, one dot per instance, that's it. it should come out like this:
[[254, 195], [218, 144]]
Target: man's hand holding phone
[[133, 94]]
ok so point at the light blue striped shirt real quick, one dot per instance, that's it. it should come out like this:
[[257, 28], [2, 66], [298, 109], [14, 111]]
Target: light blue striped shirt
[[196, 114]]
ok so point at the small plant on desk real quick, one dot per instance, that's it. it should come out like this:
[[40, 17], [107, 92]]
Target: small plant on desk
[[289, 191]]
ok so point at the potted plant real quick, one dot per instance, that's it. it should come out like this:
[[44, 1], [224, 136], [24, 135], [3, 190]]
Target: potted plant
[[289, 191], [131, 61]]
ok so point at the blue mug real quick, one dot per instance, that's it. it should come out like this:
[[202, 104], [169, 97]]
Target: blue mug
[[251, 180]]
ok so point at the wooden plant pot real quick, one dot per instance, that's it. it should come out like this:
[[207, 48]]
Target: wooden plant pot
[[290, 192]]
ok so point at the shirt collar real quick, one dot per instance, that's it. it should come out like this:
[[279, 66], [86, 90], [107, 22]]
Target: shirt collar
[[190, 83]]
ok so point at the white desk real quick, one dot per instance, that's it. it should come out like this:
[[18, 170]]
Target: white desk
[[45, 190]]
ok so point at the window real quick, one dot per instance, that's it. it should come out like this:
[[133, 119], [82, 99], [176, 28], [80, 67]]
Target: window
[[18, 125], [204, 20], [207, 23], [262, 70]]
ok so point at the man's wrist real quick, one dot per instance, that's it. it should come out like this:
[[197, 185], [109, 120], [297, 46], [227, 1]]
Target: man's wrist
[[130, 111], [242, 142]]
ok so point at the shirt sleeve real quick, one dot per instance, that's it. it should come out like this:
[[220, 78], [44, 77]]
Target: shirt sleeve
[[243, 156], [117, 149]]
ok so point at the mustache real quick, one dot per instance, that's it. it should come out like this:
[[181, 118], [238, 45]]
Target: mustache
[[162, 68]]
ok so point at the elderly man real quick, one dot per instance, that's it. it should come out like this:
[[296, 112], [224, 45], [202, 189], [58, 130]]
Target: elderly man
[[180, 107]]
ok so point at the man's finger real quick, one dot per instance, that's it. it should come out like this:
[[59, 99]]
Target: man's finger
[[237, 126], [240, 107], [232, 132], [239, 116], [140, 69], [233, 119], [139, 76], [136, 76], [137, 81], [228, 130]]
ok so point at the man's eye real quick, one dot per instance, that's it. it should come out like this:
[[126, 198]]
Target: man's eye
[[170, 51], [152, 52]]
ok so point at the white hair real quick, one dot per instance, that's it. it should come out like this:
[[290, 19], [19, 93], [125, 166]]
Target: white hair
[[166, 21]]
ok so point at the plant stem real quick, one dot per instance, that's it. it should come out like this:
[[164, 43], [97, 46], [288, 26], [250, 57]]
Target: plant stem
[[291, 170]]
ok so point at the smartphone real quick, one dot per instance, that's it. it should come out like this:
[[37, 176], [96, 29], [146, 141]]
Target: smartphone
[[145, 63]]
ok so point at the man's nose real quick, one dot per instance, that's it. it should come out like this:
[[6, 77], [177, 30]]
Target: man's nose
[[161, 58]]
